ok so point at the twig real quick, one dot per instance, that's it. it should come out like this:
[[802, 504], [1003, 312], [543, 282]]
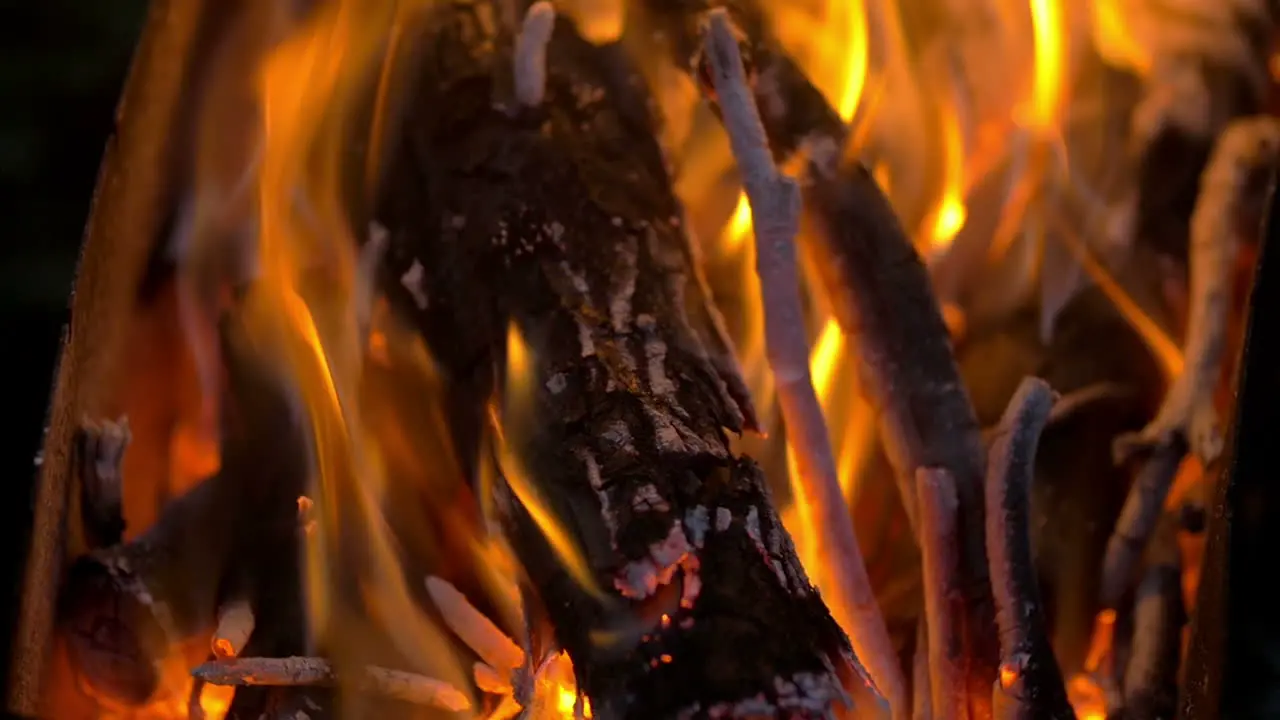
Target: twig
[[235, 625], [1245, 147], [493, 646], [1030, 684], [531, 53], [1138, 518], [1151, 675], [775, 205], [100, 448], [315, 671], [941, 570]]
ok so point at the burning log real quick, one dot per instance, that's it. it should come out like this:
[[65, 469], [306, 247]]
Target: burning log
[[1245, 148], [314, 671], [1030, 684], [124, 605], [775, 204], [564, 214]]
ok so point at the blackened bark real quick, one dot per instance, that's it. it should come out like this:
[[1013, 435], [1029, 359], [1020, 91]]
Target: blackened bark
[[881, 294], [561, 219]]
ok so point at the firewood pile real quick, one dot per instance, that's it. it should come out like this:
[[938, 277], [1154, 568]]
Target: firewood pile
[[501, 431]]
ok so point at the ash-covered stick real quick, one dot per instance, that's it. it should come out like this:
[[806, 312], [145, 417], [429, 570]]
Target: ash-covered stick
[[1246, 148], [530, 71], [941, 571], [881, 295], [1151, 674], [316, 671], [100, 447], [1030, 685], [235, 626], [1142, 510], [493, 646], [775, 206], [793, 109]]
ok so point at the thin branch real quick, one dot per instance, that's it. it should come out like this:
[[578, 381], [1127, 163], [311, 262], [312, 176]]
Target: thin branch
[[531, 53], [493, 646], [314, 671], [1151, 675], [775, 206], [100, 448], [922, 699], [1138, 519], [1030, 683], [941, 570], [1246, 146]]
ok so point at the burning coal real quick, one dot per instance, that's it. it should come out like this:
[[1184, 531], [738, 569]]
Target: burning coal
[[630, 360]]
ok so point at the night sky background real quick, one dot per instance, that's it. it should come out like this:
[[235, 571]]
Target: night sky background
[[62, 65]]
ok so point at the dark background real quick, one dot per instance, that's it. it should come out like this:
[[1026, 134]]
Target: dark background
[[62, 65]]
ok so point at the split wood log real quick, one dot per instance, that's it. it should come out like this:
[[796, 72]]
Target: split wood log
[[1030, 683], [125, 605], [560, 219]]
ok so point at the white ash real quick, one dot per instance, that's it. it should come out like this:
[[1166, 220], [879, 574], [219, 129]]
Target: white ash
[[530, 56], [655, 352], [697, 521], [618, 435], [647, 499], [622, 284], [557, 383], [724, 518], [640, 579], [412, 280]]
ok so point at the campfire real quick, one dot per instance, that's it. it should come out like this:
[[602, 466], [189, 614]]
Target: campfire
[[651, 359]]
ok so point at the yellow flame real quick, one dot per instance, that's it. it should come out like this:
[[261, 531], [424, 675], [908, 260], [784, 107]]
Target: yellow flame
[[1115, 38], [303, 313], [1048, 32], [951, 213], [518, 410]]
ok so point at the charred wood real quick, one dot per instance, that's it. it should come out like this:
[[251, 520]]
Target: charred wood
[[881, 295], [124, 605], [1151, 674], [559, 219], [1030, 683], [1142, 511]]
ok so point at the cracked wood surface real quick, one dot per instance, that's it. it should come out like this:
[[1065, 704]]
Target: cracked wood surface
[[560, 218]]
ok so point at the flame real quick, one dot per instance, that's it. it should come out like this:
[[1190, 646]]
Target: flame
[[1115, 38], [518, 409], [1049, 33], [951, 213]]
